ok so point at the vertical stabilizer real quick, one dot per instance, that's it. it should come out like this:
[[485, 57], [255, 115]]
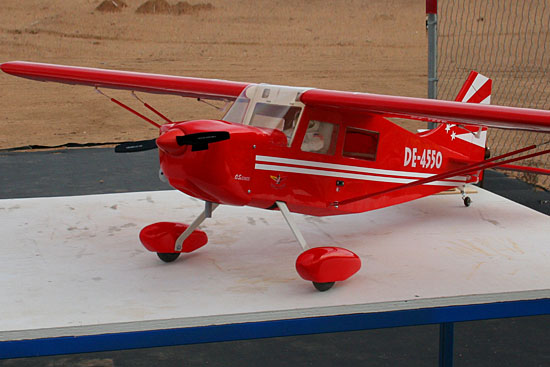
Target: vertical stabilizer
[[467, 139], [476, 89]]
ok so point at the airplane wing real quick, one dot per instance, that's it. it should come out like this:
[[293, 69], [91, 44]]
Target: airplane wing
[[113, 79], [389, 106], [432, 110]]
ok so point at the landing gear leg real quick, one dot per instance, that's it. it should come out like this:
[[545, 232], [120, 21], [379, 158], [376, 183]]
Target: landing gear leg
[[466, 199], [301, 240], [207, 213], [293, 227], [323, 266]]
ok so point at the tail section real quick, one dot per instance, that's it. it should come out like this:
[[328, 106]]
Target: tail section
[[467, 139], [476, 89]]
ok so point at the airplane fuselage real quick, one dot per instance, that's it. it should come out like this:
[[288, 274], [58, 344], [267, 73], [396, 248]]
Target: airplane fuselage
[[311, 158]]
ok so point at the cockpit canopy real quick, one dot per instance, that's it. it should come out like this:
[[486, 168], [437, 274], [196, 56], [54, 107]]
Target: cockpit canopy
[[270, 107]]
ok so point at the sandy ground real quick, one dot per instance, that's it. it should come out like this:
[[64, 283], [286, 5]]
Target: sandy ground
[[377, 46]]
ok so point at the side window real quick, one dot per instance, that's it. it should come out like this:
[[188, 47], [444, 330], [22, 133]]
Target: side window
[[360, 144], [320, 137]]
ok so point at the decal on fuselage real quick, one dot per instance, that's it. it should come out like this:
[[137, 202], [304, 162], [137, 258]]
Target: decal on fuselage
[[239, 177], [425, 158], [278, 181]]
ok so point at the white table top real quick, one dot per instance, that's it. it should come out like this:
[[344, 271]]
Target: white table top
[[75, 265]]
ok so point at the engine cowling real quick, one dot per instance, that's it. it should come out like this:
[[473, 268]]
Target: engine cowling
[[210, 159]]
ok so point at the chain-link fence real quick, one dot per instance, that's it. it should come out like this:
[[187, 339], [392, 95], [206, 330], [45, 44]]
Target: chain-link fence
[[509, 42]]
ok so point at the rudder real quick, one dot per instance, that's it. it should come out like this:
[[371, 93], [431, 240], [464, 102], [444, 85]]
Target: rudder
[[467, 139]]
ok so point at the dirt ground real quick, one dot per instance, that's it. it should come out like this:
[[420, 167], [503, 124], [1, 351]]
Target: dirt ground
[[377, 46]]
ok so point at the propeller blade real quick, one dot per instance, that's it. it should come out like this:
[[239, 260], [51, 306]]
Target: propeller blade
[[200, 141], [136, 146]]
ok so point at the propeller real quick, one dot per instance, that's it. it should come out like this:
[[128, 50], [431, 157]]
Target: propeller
[[200, 141]]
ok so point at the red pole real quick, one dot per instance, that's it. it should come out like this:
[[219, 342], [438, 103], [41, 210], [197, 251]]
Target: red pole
[[512, 167], [431, 6]]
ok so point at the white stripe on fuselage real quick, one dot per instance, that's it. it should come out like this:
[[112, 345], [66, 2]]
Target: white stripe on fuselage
[[360, 173], [298, 162]]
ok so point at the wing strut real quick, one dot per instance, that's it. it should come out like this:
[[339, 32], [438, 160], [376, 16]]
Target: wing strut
[[489, 163], [222, 109], [129, 109], [148, 106]]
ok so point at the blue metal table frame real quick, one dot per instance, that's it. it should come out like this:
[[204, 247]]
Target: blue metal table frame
[[445, 316]]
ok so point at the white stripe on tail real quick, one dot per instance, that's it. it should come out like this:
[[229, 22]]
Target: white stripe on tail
[[476, 89]]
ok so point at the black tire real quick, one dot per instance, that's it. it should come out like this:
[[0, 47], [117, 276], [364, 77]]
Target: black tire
[[467, 201], [168, 257], [322, 287]]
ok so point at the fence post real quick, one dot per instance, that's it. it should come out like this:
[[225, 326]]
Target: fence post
[[431, 24]]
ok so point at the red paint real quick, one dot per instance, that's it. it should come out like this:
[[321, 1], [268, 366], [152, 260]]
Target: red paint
[[431, 6], [327, 264], [161, 237]]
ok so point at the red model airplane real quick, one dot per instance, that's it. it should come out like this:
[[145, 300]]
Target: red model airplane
[[310, 151]]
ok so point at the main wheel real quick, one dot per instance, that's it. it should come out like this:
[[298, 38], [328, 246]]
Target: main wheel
[[321, 287], [467, 201], [168, 257]]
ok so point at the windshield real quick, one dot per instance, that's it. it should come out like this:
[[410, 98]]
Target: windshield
[[238, 110], [271, 108]]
